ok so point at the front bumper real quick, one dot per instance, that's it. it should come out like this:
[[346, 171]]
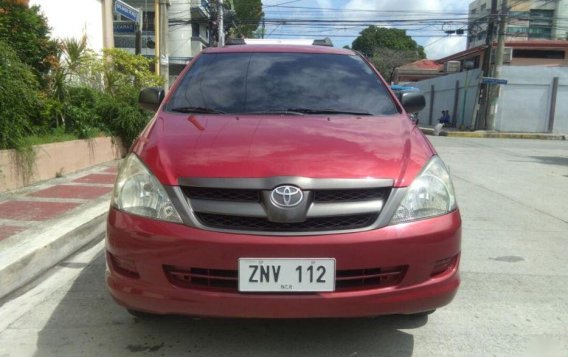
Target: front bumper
[[150, 245]]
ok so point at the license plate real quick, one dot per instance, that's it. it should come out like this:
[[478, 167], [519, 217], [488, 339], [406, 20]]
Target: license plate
[[286, 275]]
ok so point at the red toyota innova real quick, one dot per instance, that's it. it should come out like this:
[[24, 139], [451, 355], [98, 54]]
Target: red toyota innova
[[282, 181]]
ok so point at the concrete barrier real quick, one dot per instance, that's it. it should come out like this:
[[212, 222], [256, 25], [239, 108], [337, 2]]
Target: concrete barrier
[[52, 160]]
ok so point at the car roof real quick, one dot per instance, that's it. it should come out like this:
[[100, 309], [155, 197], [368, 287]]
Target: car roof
[[279, 49]]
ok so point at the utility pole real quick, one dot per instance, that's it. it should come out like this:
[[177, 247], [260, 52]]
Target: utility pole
[[138, 43], [108, 35], [486, 65], [157, 36], [263, 25], [495, 89], [162, 43], [221, 25]]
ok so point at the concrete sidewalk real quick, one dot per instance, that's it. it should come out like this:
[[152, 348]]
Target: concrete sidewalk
[[43, 224], [494, 134]]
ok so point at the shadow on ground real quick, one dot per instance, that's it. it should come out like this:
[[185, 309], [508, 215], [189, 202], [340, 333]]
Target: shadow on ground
[[88, 323], [552, 160]]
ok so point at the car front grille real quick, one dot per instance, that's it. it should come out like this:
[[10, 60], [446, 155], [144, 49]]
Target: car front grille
[[257, 224], [247, 205], [353, 195], [222, 194], [245, 195], [228, 281]]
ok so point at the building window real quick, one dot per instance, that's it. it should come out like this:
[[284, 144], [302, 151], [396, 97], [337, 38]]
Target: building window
[[519, 15], [148, 21], [517, 30], [483, 7], [540, 23], [474, 11], [548, 54], [195, 30]]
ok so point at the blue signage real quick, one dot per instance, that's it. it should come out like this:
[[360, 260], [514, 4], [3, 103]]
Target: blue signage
[[490, 80], [126, 10], [124, 26]]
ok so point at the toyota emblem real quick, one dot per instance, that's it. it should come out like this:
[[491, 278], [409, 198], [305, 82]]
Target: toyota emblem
[[286, 196]]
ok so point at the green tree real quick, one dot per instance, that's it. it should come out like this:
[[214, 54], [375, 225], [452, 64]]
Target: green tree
[[241, 17], [26, 31], [387, 60], [248, 14], [388, 49], [373, 38]]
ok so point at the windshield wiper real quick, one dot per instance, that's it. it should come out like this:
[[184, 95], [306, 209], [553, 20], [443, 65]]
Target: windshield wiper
[[202, 110], [277, 111], [327, 111]]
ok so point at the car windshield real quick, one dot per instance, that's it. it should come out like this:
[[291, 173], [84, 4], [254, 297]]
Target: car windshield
[[283, 83]]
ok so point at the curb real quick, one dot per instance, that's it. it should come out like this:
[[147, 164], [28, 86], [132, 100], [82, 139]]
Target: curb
[[495, 135], [28, 255]]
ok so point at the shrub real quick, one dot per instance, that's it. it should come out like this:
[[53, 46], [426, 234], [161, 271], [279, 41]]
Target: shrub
[[123, 119], [79, 112], [120, 76], [19, 99]]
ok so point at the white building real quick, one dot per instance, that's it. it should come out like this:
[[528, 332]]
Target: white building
[[528, 20]]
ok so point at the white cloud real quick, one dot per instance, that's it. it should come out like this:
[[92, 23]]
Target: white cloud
[[437, 48], [381, 10]]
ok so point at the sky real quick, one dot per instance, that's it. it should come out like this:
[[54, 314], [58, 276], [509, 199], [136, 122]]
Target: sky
[[342, 20]]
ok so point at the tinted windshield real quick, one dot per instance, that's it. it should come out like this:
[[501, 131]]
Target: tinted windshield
[[266, 82]]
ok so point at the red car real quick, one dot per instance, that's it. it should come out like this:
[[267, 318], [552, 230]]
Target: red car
[[282, 182]]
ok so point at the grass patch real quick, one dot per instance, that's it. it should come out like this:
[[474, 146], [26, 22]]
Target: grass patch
[[58, 136], [49, 138]]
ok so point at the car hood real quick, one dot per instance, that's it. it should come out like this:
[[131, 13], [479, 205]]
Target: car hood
[[179, 146]]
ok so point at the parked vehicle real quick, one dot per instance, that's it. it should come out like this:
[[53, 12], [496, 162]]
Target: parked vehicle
[[282, 181]]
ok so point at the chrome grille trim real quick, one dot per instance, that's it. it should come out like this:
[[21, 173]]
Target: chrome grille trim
[[225, 208], [268, 183], [247, 209], [188, 208], [344, 209]]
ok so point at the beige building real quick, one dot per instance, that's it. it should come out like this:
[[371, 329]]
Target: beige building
[[528, 20]]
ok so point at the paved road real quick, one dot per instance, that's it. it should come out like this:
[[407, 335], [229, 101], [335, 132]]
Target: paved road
[[513, 300]]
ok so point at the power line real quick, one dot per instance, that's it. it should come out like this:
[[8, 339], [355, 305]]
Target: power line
[[370, 10], [350, 36], [281, 4]]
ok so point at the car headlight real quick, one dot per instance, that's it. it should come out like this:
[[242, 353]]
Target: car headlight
[[137, 191], [431, 194]]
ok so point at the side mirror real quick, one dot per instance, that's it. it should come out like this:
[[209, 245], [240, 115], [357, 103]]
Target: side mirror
[[151, 98], [413, 102]]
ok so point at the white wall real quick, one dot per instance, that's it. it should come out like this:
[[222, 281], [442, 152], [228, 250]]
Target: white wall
[[524, 104], [72, 18]]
